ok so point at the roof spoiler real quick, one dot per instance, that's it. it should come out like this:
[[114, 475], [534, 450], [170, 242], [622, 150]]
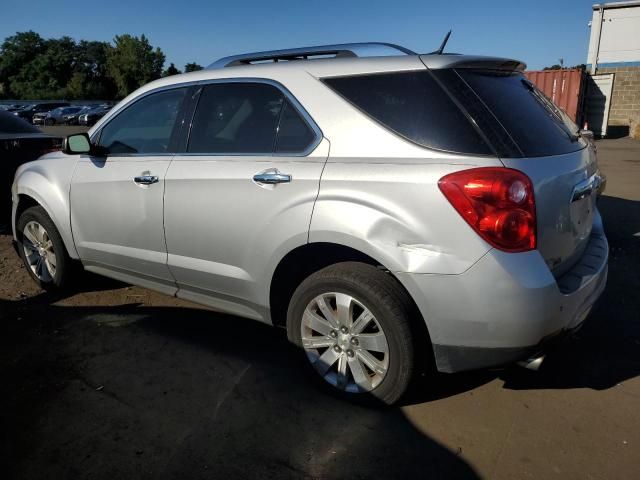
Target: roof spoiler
[[437, 61]]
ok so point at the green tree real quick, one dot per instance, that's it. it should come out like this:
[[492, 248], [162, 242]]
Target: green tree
[[171, 70], [46, 74], [90, 79], [16, 52], [132, 62], [192, 67]]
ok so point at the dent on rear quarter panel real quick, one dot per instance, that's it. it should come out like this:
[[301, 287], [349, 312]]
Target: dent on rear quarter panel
[[47, 181], [396, 214]]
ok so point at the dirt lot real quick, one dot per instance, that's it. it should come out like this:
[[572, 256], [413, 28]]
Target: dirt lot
[[111, 381]]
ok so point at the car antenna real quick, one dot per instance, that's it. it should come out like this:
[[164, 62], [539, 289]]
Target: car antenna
[[443, 44]]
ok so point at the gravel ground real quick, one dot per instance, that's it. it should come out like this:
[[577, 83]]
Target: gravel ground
[[111, 381]]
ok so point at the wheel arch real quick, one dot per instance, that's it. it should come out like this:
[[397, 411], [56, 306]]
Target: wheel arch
[[306, 259], [30, 198]]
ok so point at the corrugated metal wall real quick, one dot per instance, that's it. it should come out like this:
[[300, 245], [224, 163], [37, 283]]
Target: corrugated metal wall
[[563, 87]]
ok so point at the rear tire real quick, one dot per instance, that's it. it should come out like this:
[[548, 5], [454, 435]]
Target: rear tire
[[42, 250], [352, 322]]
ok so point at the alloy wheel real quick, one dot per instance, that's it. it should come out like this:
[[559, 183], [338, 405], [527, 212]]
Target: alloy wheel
[[344, 342], [39, 252]]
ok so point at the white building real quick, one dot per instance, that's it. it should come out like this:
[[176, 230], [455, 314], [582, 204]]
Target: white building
[[614, 48]]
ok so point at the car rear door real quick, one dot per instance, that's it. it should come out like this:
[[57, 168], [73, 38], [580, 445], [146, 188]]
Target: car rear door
[[117, 199], [242, 193]]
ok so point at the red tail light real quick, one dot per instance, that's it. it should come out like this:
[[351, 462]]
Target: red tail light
[[497, 202]]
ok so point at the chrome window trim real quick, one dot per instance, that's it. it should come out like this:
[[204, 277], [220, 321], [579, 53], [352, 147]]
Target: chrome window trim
[[285, 92]]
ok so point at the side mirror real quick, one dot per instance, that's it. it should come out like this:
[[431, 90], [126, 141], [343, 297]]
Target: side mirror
[[78, 143]]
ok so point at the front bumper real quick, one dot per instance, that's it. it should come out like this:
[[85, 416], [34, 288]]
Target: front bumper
[[504, 307]]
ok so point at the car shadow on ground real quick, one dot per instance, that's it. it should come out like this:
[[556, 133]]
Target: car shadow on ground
[[163, 392]]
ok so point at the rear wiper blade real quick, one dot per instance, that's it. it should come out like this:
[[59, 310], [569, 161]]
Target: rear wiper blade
[[551, 107]]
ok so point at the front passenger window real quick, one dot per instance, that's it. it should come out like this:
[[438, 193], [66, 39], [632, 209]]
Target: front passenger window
[[146, 126]]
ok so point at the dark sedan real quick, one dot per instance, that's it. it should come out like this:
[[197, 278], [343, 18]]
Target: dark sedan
[[19, 143], [56, 116], [29, 111], [73, 118], [92, 116]]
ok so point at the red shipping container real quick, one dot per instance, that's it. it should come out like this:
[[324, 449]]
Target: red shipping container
[[563, 87]]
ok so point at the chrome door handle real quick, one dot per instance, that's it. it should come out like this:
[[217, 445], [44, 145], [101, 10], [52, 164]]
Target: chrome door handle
[[146, 179], [271, 178]]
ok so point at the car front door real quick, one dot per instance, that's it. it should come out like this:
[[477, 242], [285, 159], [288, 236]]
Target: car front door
[[117, 199], [242, 194]]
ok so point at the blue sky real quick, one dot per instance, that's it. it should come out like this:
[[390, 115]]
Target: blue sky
[[538, 32]]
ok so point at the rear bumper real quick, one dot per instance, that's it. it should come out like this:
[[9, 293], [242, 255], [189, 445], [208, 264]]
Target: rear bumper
[[506, 306]]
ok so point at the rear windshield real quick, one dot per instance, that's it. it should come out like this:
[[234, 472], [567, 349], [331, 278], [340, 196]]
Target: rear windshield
[[414, 106], [476, 112], [534, 123]]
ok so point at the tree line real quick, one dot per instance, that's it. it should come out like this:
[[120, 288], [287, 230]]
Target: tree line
[[32, 67]]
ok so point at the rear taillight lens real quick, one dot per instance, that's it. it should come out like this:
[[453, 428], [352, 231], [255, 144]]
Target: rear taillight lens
[[497, 202]]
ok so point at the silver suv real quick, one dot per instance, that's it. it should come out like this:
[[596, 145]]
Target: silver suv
[[385, 210]]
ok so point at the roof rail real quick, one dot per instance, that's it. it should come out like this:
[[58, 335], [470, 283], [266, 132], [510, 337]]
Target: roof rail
[[338, 50]]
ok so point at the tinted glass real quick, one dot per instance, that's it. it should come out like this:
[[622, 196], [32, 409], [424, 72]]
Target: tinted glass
[[537, 126], [413, 105], [10, 123], [236, 118], [294, 135], [146, 126]]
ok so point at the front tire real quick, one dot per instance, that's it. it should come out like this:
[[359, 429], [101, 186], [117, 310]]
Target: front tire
[[42, 250], [352, 322]]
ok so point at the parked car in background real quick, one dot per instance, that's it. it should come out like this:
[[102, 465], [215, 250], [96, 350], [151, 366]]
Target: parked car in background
[[56, 116], [73, 118], [20, 142], [385, 211], [91, 117], [14, 107], [29, 111]]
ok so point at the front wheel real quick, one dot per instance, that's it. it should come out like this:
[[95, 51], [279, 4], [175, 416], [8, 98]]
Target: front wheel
[[352, 321], [42, 250]]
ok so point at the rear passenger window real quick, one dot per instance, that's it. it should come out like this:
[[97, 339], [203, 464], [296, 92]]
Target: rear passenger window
[[413, 105], [236, 118], [294, 135], [146, 126], [247, 118]]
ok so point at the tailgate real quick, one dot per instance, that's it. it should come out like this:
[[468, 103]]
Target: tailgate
[[529, 133], [565, 188]]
